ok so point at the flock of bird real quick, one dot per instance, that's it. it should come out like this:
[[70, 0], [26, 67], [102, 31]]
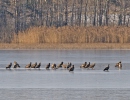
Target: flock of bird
[[68, 66], [85, 65]]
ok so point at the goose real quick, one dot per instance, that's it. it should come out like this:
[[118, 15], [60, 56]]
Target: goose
[[28, 65], [38, 66], [34, 65], [83, 65], [48, 66], [107, 68], [71, 68], [92, 66], [9, 66]]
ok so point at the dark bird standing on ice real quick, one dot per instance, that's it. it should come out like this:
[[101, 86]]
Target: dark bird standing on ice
[[48, 66], [69, 65], [71, 68], [87, 66], [38, 66], [107, 68], [9, 66], [16, 65]]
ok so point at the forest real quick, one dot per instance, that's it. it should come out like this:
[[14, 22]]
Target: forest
[[19, 16]]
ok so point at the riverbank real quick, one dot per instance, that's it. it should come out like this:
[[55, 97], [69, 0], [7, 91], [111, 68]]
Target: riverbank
[[66, 46]]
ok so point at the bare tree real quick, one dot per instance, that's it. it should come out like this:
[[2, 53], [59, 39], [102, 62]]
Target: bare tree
[[100, 12], [80, 12], [72, 17], [94, 17], [66, 12], [86, 13], [107, 12]]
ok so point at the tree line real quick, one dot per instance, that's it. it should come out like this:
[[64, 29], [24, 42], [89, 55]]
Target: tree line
[[19, 15]]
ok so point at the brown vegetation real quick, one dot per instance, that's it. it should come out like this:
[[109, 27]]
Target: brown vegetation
[[38, 35]]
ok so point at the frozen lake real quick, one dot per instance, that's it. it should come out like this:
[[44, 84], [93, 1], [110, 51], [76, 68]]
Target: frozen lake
[[60, 84]]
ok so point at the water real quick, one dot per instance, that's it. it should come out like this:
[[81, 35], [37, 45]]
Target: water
[[60, 84]]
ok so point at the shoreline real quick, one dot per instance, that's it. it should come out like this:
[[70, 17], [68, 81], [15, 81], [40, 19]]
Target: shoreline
[[62, 46]]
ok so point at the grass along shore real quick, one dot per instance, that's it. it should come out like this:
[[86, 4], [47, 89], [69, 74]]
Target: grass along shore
[[67, 37], [62, 46]]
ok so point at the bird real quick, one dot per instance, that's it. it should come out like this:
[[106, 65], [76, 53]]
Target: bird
[[107, 68], [65, 65], [83, 65], [87, 66], [15, 62], [69, 65], [16, 65], [48, 66], [60, 65], [38, 66], [28, 65], [92, 66], [119, 65], [34, 65], [71, 68], [9, 66], [53, 66]]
